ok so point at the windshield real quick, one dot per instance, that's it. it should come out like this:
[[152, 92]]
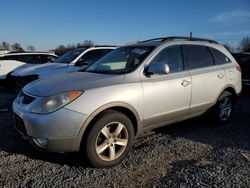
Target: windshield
[[120, 61], [70, 55]]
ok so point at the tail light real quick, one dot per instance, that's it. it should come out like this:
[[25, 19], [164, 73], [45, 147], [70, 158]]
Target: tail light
[[238, 68]]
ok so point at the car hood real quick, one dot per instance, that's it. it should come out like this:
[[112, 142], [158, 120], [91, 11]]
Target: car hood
[[26, 70], [64, 82]]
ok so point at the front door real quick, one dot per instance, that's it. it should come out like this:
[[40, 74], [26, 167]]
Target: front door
[[167, 97]]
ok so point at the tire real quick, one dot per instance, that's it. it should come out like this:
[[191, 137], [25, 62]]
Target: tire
[[109, 140], [224, 108]]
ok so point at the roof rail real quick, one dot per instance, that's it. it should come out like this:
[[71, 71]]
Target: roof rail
[[23, 52], [164, 39], [97, 46]]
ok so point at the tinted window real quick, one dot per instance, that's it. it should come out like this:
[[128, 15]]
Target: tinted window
[[197, 56], [219, 57], [26, 58], [171, 56], [93, 56], [11, 57], [50, 58], [31, 59], [106, 51], [70, 55]]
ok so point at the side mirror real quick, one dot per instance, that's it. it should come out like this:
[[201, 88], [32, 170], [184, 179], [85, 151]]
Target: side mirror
[[157, 69]]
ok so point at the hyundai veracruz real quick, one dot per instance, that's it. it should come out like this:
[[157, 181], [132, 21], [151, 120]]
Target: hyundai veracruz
[[133, 88]]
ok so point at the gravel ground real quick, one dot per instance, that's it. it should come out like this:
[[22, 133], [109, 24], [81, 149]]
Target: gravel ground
[[194, 153]]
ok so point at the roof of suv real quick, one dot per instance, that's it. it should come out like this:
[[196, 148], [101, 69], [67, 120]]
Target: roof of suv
[[158, 41]]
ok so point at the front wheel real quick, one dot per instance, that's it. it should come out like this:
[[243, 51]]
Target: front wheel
[[110, 139]]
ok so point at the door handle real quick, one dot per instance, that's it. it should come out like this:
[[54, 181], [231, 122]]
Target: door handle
[[185, 83], [220, 76]]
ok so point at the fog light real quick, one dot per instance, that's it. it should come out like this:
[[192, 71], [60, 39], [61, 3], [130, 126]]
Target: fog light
[[41, 142]]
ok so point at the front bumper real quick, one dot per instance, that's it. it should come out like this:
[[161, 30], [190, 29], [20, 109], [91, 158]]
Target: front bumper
[[60, 128]]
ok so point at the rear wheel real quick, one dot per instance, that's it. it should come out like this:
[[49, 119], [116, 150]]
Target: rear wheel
[[224, 107], [110, 139]]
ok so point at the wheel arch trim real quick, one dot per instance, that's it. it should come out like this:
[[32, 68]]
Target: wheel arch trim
[[101, 109]]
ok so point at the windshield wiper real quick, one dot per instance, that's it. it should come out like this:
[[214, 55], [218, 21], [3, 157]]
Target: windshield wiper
[[99, 71]]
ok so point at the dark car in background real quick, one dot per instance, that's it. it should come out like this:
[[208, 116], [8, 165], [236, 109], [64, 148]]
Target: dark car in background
[[243, 60]]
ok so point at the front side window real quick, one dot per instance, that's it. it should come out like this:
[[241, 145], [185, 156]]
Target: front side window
[[171, 56], [197, 56], [92, 56], [50, 58], [70, 56], [219, 57], [122, 60], [36, 59], [29, 58]]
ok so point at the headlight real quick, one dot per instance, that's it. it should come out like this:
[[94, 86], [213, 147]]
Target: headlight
[[49, 104]]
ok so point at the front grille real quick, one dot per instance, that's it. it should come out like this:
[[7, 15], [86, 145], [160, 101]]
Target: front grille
[[20, 124], [25, 99], [23, 80], [16, 83]]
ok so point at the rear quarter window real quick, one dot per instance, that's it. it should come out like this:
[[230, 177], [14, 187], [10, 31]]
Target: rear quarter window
[[11, 57], [219, 57], [50, 58]]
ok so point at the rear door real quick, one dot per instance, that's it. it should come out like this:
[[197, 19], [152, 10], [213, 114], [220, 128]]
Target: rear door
[[208, 79]]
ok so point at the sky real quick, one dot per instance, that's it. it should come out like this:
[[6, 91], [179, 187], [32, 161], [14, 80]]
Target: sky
[[48, 23]]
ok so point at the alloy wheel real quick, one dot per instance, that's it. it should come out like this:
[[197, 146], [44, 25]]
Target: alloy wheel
[[225, 108], [112, 141]]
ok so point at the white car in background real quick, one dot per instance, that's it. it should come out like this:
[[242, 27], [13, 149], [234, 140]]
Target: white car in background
[[72, 61], [11, 61]]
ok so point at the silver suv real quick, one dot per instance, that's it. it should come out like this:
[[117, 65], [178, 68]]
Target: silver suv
[[136, 87]]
